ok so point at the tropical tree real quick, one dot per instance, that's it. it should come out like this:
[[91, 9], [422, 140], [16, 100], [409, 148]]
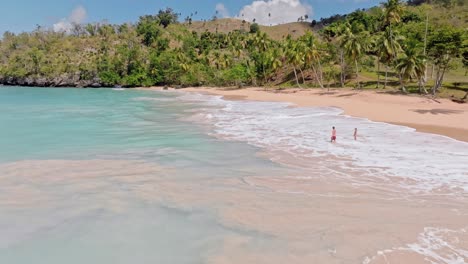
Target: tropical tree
[[167, 17], [294, 51], [354, 46], [411, 65], [313, 56], [387, 48], [465, 59], [260, 44], [254, 28], [148, 27], [36, 57], [444, 45], [392, 12]]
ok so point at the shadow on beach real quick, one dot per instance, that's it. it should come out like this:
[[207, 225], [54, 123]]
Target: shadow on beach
[[437, 111]]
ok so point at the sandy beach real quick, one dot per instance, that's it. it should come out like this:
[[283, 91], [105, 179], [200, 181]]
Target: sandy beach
[[185, 177], [439, 116]]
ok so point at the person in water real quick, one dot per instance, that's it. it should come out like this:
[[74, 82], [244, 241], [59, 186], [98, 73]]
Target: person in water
[[355, 134], [333, 136]]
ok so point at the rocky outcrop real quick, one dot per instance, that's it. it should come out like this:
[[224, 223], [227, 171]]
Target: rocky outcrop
[[64, 80]]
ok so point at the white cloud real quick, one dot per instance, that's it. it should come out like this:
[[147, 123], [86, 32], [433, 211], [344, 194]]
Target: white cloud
[[222, 10], [281, 11], [77, 16]]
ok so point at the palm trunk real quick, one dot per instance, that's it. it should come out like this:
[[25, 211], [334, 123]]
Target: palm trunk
[[378, 73], [321, 74], [442, 77], [465, 97], [386, 76], [422, 86], [439, 79], [432, 71], [342, 75], [302, 75], [402, 84], [297, 80], [436, 83], [434, 88], [357, 75], [317, 77]]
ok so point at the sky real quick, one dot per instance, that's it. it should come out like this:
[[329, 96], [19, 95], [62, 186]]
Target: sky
[[25, 15]]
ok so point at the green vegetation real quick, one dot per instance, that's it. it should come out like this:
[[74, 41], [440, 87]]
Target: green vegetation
[[417, 46], [254, 28]]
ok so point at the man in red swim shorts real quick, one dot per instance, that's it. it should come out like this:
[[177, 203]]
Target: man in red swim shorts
[[333, 137]]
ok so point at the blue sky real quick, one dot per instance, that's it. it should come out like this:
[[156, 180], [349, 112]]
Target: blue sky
[[24, 15]]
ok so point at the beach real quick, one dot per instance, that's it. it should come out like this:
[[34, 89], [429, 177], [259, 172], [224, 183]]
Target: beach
[[213, 176], [440, 116]]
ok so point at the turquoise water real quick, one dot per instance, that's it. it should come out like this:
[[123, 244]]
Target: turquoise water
[[82, 170], [44, 123], [138, 176]]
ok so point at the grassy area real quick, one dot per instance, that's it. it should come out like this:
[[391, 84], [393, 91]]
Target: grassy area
[[227, 25], [455, 85]]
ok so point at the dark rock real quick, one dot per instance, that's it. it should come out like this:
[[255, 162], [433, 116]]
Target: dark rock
[[42, 82]]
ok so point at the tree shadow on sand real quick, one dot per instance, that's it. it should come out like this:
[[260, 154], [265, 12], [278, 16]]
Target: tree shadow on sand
[[326, 93], [347, 95], [437, 111], [392, 92]]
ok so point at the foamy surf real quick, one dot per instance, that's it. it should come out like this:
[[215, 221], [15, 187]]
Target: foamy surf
[[436, 245], [418, 162]]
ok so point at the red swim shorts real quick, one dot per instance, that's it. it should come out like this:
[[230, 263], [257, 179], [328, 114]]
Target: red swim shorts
[[333, 138]]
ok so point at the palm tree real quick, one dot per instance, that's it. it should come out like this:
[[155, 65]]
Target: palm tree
[[412, 65], [313, 56], [354, 45], [275, 59], [392, 12], [217, 60], [183, 60], [261, 41], [387, 49], [295, 56], [225, 60], [336, 42], [261, 44]]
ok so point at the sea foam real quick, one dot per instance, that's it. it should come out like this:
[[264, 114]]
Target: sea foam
[[417, 161]]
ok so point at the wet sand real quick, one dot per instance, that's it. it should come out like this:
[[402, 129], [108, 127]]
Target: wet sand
[[442, 117], [268, 219]]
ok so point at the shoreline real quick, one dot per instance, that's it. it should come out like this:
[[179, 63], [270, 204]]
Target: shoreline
[[442, 117]]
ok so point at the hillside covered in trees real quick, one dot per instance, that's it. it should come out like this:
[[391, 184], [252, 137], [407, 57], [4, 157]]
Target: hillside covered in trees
[[417, 46]]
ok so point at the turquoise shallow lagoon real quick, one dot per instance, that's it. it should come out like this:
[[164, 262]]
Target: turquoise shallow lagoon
[[42, 123]]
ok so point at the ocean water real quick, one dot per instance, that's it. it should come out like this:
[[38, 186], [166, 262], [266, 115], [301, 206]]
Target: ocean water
[[71, 161], [382, 150], [137, 176]]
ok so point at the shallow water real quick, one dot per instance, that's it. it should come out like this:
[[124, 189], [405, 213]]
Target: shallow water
[[131, 176], [382, 150]]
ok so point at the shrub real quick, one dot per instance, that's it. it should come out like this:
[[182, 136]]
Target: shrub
[[254, 28]]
